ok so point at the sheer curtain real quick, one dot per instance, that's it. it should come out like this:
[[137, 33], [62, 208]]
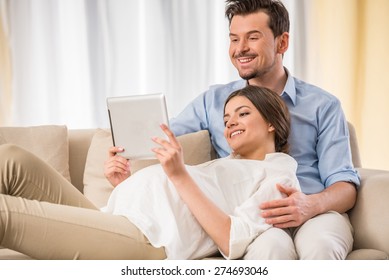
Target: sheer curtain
[[60, 59], [68, 56], [5, 69], [175, 47], [347, 55]]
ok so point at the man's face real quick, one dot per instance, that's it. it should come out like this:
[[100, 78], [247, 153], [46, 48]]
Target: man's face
[[253, 48]]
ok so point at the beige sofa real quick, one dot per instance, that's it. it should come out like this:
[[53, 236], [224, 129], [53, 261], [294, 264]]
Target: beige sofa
[[86, 150]]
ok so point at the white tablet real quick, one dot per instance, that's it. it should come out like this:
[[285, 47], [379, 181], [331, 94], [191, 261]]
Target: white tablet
[[134, 121]]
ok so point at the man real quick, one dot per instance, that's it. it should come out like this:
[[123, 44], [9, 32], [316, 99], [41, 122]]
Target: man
[[306, 225]]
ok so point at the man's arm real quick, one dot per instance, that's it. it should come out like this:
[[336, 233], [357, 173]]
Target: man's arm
[[192, 119], [298, 207]]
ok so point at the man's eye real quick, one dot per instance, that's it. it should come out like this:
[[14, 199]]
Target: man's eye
[[253, 38]]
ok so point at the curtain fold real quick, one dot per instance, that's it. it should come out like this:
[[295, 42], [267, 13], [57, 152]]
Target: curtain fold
[[5, 69], [346, 55], [373, 92], [70, 55], [178, 48]]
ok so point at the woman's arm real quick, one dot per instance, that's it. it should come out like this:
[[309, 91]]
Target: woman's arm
[[214, 221]]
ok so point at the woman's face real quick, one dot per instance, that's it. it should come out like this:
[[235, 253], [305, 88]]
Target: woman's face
[[246, 132]]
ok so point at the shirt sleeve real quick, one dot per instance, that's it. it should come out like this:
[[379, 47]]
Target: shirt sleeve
[[192, 119], [246, 222], [333, 146]]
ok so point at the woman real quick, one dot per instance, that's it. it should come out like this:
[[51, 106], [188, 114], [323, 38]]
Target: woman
[[184, 212]]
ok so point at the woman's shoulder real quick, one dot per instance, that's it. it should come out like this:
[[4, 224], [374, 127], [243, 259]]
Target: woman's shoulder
[[282, 160]]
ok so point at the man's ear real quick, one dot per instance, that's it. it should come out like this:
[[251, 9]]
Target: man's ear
[[283, 43]]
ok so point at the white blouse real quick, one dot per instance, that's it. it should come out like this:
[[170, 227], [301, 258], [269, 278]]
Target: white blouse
[[237, 186]]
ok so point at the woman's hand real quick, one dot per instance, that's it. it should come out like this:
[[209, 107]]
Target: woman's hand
[[116, 168], [170, 154]]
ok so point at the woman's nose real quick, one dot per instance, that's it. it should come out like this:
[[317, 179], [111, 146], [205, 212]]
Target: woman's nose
[[231, 122]]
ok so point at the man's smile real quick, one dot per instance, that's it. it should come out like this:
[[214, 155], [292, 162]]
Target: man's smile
[[244, 60]]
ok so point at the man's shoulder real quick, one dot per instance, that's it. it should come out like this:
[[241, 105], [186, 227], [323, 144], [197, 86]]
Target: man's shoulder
[[226, 88], [308, 90]]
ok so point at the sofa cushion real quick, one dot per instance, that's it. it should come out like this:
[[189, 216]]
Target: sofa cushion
[[370, 215], [196, 146], [49, 142], [96, 187], [367, 254]]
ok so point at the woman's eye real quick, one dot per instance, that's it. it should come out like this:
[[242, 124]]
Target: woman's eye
[[244, 114]]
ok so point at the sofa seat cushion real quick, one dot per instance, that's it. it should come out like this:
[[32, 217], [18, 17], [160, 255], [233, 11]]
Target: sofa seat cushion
[[196, 146], [8, 254], [48, 142], [367, 254]]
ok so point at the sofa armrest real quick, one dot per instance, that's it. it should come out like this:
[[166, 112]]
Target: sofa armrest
[[370, 215]]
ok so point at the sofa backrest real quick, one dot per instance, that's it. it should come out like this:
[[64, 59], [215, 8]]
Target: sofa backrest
[[80, 139], [354, 147]]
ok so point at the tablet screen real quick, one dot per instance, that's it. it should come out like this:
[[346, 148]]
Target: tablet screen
[[134, 121]]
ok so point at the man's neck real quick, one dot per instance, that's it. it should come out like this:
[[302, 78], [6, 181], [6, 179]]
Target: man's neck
[[275, 81]]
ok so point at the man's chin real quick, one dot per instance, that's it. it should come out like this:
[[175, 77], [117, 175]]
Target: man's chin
[[247, 76]]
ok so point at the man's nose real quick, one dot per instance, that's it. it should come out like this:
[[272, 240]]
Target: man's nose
[[243, 47]]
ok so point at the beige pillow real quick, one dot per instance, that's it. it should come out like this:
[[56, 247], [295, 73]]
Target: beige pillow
[[48, 142], [197, 149]]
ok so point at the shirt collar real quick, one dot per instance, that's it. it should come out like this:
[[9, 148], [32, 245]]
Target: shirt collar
[[290, 88]]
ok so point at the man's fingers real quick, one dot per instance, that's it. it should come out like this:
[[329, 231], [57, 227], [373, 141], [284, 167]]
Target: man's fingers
[[274, 204], [276, 212], [286, 190]]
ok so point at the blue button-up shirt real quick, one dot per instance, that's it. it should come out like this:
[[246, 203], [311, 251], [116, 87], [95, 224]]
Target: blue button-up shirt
[[319, 139]]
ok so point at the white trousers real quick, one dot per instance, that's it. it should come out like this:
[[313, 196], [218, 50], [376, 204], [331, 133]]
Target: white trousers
[[328, 236]]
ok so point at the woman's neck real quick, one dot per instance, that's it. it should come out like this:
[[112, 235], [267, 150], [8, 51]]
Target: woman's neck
[[257, 154]]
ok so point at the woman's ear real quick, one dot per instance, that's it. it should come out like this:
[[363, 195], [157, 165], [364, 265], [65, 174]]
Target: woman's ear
[[270, 128]]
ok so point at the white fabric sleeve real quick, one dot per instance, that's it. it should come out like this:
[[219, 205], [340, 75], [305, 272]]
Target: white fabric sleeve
[[246, 222]]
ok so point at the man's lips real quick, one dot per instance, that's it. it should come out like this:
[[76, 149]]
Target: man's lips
[[244, 60]]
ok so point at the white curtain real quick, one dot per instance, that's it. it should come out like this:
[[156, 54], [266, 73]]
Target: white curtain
[[175, 47], [60, 59], [69, 55], [50, 62]]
